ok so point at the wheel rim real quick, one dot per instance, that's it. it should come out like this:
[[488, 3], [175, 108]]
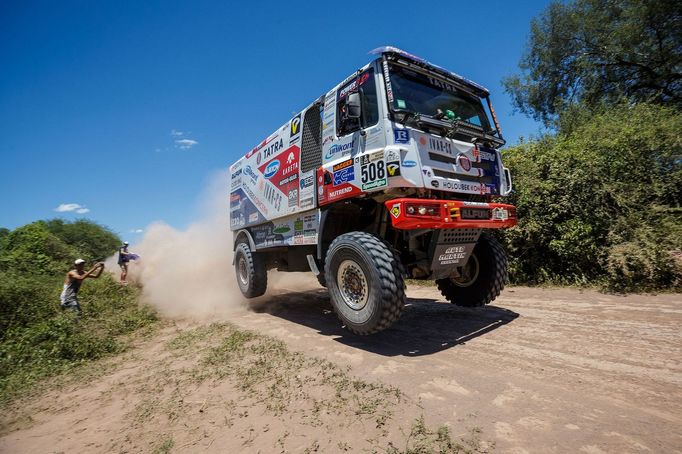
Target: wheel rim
[[243, 271], [467, 273], [352, 285]]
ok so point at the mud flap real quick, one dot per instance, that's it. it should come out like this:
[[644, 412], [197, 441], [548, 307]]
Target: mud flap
[[451, 248]]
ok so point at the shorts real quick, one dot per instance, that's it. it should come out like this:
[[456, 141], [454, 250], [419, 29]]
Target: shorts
[[123, 265], [71, 305]]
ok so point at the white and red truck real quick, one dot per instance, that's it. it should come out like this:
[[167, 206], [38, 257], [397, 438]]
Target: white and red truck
[[392, 174]]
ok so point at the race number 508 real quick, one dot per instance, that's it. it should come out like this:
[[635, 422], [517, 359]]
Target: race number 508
[[373, 171]]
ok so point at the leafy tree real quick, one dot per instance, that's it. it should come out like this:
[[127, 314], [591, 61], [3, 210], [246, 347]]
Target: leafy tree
[[51, 246], [34, 249], [594, 51], [601, 200], [93, 241]]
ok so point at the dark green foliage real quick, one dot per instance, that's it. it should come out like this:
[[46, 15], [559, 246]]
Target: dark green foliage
[[595, 51], [60, 340], [38, 339], [599, 202], [25, 298], [93, 241], [52, 246], [34, 249]]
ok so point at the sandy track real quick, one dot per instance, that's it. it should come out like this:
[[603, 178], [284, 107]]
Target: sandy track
[[539, 371]]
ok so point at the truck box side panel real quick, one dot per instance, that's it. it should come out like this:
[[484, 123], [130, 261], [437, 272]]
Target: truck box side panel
[[267, 183]]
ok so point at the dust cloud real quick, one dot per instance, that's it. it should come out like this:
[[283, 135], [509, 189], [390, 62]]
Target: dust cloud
[[189, 273]]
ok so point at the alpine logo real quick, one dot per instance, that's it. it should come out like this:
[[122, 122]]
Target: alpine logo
[[271, 169]]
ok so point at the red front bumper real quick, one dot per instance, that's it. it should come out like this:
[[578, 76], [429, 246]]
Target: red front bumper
[[410, 214]]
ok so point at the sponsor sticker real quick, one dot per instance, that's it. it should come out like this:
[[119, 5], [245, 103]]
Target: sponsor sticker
[[271, 169], [342, 165], [293, 197], [392, 155], [374, 184], [253, 217], [395, 210], [486, 155], [307, 182], [409, 163], [282, 228], [340, 192], [373, 175], [306, 203], [401, 135], [294, 128], [393, 168], [440, 145], [344, 175], [340, 148], [249, 171], [288, 180], [453, 255]]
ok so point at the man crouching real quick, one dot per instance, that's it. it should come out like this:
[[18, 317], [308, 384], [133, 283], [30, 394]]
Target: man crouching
[[73, 281]]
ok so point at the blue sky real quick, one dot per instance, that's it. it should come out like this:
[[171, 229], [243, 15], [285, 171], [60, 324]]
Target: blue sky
[[125, 109]]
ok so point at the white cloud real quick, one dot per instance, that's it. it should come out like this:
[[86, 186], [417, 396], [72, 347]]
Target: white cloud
[[176, 133], [185, 144], [71, 207]]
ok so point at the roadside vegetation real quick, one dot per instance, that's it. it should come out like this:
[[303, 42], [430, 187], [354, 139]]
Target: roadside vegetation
[[599, 196], [37, 339]]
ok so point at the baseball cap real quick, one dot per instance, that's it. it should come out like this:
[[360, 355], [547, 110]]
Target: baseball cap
[[78, 261]]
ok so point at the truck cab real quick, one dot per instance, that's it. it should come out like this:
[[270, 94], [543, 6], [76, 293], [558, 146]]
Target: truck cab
[[393, 173]]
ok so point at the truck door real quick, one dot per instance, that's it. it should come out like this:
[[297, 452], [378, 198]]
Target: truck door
[[352, 148]]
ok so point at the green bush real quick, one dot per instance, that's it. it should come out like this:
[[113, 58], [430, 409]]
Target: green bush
[[38, 339], [60, 340], [599, 202]]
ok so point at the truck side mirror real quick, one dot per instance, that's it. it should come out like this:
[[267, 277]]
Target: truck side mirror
[[353, 105]]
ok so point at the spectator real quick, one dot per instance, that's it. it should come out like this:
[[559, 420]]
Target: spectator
[[73, 281]]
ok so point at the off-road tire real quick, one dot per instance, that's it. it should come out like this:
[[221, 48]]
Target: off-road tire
[[492, 275], [254, 279], [383, 274]]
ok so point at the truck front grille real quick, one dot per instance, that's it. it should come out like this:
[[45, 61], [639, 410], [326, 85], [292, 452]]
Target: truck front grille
[[456, 176]]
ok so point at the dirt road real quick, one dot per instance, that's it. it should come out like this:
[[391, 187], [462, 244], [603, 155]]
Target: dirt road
[[539, 371]]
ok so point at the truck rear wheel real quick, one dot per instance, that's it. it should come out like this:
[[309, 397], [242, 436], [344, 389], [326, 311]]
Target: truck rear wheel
[[252, 276], [365, 282], [481, 279]]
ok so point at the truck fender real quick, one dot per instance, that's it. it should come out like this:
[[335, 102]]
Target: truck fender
[[238, 236]]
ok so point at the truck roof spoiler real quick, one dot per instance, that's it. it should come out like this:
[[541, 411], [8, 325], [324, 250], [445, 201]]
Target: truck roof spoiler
[[390, 50]]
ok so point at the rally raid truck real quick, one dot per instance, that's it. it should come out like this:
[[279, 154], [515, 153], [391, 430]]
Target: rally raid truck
[[391, 174]]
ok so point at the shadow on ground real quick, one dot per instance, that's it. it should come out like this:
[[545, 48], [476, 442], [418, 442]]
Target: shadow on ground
[[425, 327]]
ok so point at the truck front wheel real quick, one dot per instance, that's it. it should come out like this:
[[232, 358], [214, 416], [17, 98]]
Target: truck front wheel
[[481, 279], [365, 282], [252, 276]]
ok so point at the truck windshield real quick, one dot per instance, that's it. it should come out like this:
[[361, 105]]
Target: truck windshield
[[424, 94]]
